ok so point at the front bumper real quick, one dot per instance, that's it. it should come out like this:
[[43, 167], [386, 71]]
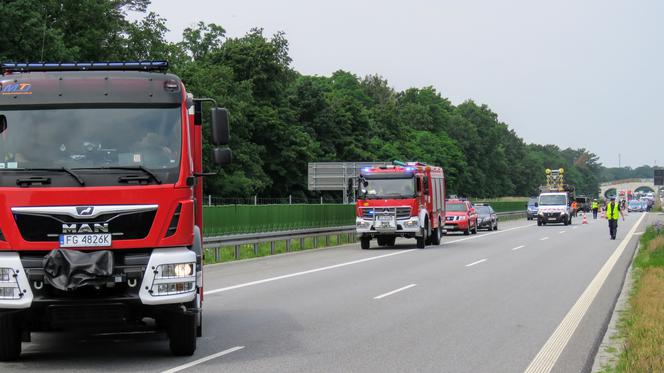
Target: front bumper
[[553, 217], [486, 224], [139, 279], [458, 225], [397, 227]]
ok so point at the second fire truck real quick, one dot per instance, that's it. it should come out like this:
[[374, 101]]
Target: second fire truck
[[400, 200]]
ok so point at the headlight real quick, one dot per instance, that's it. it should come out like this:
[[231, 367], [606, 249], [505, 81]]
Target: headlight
[[8, 284], [411, 223], [462, 218], [175, 278], [175, 270]]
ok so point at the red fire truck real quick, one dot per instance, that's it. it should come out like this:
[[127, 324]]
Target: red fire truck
[[100, 201], [400, 200]]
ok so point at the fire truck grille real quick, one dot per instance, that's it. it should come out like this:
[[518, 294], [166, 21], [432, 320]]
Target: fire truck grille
[[401, 212], [129, 226]]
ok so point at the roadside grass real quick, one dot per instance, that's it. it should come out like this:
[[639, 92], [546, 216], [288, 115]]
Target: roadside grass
[[227, 253], [641, 327]]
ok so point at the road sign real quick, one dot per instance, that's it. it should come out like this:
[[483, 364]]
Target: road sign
[[335, 175], [659, 176]]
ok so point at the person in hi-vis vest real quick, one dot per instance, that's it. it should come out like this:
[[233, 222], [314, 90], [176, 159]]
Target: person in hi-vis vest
[[595, 208], [612, 212]]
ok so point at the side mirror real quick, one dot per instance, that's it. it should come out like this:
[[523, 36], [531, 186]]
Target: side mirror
[[222, 156], [220, 126], [536, 204]]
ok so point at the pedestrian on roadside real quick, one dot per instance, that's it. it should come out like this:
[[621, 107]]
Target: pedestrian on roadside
[[595, 207], [612, 211], [574, 206]]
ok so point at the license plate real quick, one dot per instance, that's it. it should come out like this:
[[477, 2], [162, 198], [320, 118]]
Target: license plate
[[385, 217], [552, 219], [85, 240], [449, 226]]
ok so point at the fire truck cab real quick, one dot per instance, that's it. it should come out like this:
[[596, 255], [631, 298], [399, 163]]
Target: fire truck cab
[[400, 200], [101, 201]]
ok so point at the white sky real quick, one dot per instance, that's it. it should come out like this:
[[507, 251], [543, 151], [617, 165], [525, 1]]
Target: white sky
[[567, 72]]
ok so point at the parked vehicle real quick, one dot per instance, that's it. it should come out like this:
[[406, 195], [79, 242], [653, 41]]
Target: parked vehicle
[[460, 217], [583, 204], [531, 208], [400, 200], [101, 211], [486, 217]]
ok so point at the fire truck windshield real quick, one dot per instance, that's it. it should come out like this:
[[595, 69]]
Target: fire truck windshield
[[390, 188], [90, 138]]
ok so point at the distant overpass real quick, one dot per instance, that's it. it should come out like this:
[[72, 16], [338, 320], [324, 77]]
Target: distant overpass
[[613, 187]]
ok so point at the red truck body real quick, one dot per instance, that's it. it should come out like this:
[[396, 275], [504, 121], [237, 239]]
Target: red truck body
[[403, 200], [101, 201]]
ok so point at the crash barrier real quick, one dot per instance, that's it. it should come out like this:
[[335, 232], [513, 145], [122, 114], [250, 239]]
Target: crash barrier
[[506, 206], [238, 240], [236, 219]]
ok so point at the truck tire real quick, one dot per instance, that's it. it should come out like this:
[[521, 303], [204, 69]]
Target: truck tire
[[365, 243], [10, 338], [182, 334], [435, 236], [422, 240]]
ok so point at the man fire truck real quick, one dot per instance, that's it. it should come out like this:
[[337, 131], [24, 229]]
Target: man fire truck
[[100, 208], [400, 200]]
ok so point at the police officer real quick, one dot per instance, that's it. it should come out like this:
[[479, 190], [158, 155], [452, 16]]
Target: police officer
[[612, 212], [595, 207]]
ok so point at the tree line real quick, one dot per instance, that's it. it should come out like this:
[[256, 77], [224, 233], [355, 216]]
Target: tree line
[[282, 119]]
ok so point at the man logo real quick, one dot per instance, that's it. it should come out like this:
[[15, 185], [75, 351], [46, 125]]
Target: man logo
[[85, 210]]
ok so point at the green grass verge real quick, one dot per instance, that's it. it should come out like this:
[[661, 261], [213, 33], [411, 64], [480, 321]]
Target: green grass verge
[[641, 327]]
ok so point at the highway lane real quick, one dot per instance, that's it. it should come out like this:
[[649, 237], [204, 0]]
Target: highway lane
[[486, 302]]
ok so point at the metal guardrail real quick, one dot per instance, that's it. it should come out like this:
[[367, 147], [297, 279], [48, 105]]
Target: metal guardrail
[[237, 240]]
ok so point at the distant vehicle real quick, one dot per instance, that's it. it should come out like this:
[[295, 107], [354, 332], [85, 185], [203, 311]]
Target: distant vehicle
[[634, 205], [486, 217], [531, 208], [554, 204], [460, 217], [583, 203]]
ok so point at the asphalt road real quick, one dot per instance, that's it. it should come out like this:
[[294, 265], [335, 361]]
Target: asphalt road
[[482, 303]]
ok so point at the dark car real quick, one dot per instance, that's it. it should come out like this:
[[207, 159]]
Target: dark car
[[486, 217], [531, 209]]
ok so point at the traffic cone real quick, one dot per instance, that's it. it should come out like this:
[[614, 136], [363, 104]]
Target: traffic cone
[[584, 220]]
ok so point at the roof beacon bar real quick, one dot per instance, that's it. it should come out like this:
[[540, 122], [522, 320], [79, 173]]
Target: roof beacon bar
[[83, 66]]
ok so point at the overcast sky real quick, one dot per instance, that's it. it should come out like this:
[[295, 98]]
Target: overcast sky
[[572, 73]]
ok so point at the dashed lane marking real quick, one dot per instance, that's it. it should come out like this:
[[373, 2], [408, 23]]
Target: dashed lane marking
[[202, 360], [477, 262], [395, 291]]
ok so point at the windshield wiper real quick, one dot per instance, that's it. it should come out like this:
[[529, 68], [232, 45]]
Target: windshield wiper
[[57, 169], [135, 168]]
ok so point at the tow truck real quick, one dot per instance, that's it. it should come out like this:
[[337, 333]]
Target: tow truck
[[101, 200], [400, 200]]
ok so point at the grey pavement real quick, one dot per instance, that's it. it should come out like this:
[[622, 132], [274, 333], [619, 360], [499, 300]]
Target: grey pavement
[[480, 303]]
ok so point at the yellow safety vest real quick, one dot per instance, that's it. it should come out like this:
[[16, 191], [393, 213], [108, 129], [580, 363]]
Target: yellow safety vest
[[612, 215], [595, 205]]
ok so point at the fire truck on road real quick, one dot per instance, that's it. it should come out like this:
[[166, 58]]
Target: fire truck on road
[[100, 201], [400, 200]]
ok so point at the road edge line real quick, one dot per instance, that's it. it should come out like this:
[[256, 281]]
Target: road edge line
[[202, 360]]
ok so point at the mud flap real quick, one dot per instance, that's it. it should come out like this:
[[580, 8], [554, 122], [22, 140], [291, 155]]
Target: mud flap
[[72, 269]]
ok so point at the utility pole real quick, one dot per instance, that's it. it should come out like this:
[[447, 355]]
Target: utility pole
[[618, 160]]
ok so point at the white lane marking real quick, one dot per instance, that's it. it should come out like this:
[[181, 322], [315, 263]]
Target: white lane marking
[[561, 232], [258, 282], [395, 291], [306, 272], [574, 227], [518, 247], [638, 233], [546, 358], [477, 262], [202, 360], [544, 238]]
